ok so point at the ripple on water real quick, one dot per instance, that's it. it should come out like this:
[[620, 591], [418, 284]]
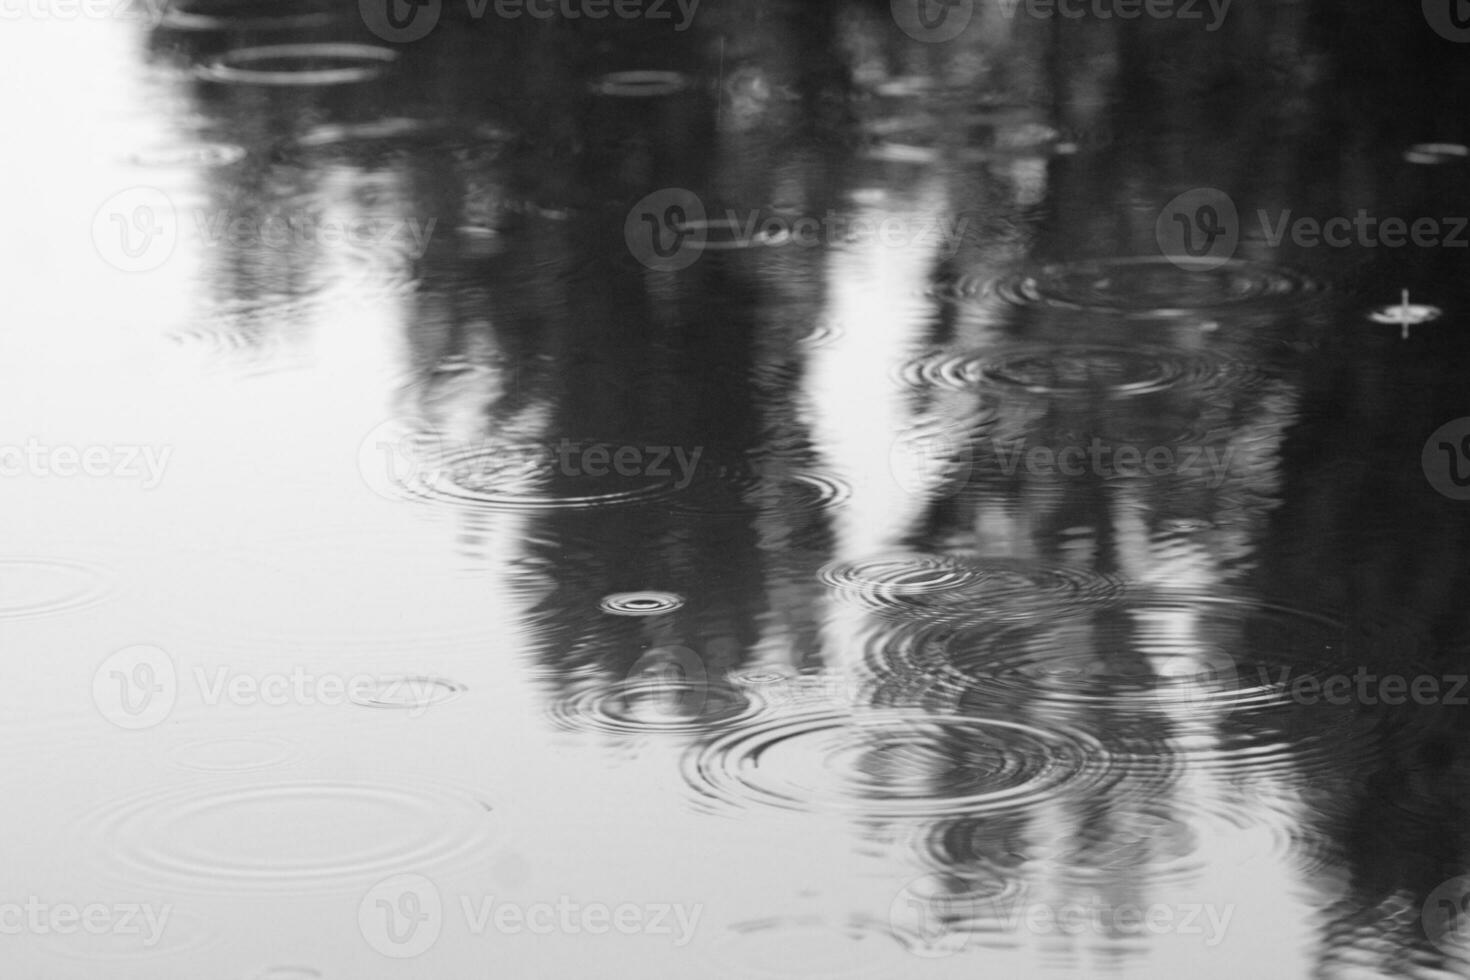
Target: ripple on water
[[305, 64], [989, 590], [288, 973], [669, 695], [248, 337], [1152, 286], [36, 586], [408, 691], [743, 487], [1080, 371], [186, 155], [1436, 153], [243, 753], [1001, 132], [524, 478], [641, 603], [640, 84], [1160, 653], [375, 136], [1159, 838], [888, 764], [287, 837], [240, 15]]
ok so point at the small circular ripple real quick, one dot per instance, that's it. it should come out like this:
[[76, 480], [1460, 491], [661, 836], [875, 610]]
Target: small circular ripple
[[286, 837], [1431, 154], [1079, 370], [235, 754], [742, 487], [45, 586], [201, 154], [651, 705], [408, 691], [888, 764], [289, 973], [300, 64], [514, 478], [241, 15], [1151, 286], [991, 590], [641, 603], [640, 84], [375, 135]]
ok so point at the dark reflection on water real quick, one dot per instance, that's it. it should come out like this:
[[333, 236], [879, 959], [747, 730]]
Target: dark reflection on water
[[925, 519]]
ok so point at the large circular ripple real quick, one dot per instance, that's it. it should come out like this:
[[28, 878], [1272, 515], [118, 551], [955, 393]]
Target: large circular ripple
[[1153, 287], [889, 764], [1080, 370], [289, 836]]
